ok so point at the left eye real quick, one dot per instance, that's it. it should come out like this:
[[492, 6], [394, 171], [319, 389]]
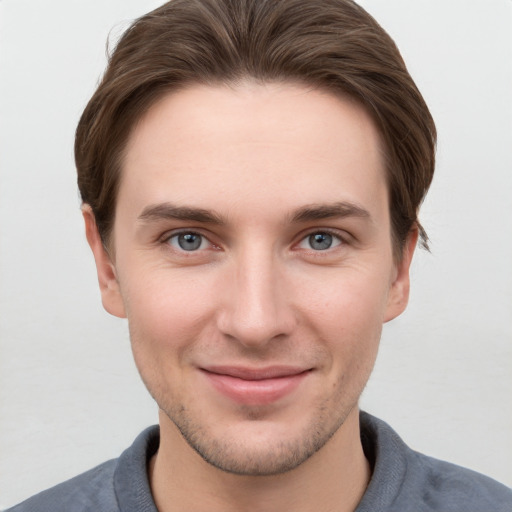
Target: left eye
[[320, 241], [188, 241]]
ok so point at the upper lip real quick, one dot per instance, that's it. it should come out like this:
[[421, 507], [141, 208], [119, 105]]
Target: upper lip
[[246, 373]]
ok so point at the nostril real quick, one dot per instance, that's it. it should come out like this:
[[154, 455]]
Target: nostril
[[255, 309]]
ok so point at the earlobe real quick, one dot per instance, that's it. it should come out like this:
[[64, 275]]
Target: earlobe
[[107, 279], [399, 291]]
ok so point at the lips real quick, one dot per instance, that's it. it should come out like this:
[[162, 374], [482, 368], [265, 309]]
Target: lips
[[255, 386]]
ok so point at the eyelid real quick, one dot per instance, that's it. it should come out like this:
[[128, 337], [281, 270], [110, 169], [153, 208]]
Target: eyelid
[[342, 236], [166, 237]]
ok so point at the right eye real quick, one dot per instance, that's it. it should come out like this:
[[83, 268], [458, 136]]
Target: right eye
[[188, 241]]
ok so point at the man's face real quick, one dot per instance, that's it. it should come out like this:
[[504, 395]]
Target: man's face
[[253, 259]]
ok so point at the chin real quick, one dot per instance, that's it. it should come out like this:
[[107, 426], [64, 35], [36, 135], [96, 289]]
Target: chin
[[257, 447]]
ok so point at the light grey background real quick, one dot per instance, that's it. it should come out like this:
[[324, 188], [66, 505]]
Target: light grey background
[[70, 396]]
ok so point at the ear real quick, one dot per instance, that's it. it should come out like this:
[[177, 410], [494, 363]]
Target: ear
[[399, 292], [107, 279]]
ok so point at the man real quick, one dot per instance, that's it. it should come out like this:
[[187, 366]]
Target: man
[[251, 174]]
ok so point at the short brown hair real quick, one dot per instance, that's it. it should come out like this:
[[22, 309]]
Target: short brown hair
[[331, 44]]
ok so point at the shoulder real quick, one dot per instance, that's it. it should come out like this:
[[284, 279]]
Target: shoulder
[[448, 487], [406, 480], [90, 491], [119, 484]]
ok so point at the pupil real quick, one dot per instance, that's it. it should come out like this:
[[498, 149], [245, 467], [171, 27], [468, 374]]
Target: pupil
[[320, 241], [189, 241]]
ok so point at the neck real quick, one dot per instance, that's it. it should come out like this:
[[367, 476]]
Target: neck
[[333, 479]]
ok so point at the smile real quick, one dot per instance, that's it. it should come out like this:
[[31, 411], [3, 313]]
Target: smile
[[249, 386]]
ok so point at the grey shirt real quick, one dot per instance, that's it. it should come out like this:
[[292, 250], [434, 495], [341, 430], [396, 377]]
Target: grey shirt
[[402, 481]]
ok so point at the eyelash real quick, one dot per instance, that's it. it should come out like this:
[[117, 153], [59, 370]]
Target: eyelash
[[166, 239], [341, 240], [334, 234]]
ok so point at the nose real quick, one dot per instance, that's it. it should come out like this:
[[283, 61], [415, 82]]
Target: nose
[[257, 306]]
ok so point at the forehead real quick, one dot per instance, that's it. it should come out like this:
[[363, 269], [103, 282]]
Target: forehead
[[252, 146]]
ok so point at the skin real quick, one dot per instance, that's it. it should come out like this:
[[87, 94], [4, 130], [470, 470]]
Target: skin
[[270, 165]]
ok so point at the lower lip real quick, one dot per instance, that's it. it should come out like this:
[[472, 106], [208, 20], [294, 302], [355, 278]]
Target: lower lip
[[255, 392]]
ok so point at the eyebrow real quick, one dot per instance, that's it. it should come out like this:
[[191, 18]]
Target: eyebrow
[[328, 211], [166, 211], [308, 213]]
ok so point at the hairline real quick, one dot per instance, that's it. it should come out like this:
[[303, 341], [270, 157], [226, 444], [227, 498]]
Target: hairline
[[234, 83]]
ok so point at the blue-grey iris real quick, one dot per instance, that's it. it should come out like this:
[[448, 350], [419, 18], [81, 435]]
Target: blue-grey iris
[[189, 241], [320, 241]]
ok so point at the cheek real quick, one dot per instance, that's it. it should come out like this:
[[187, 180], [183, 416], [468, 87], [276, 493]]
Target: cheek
[[166, 318], [162, 295], [345, 298], [346, 315], [166, 312]]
